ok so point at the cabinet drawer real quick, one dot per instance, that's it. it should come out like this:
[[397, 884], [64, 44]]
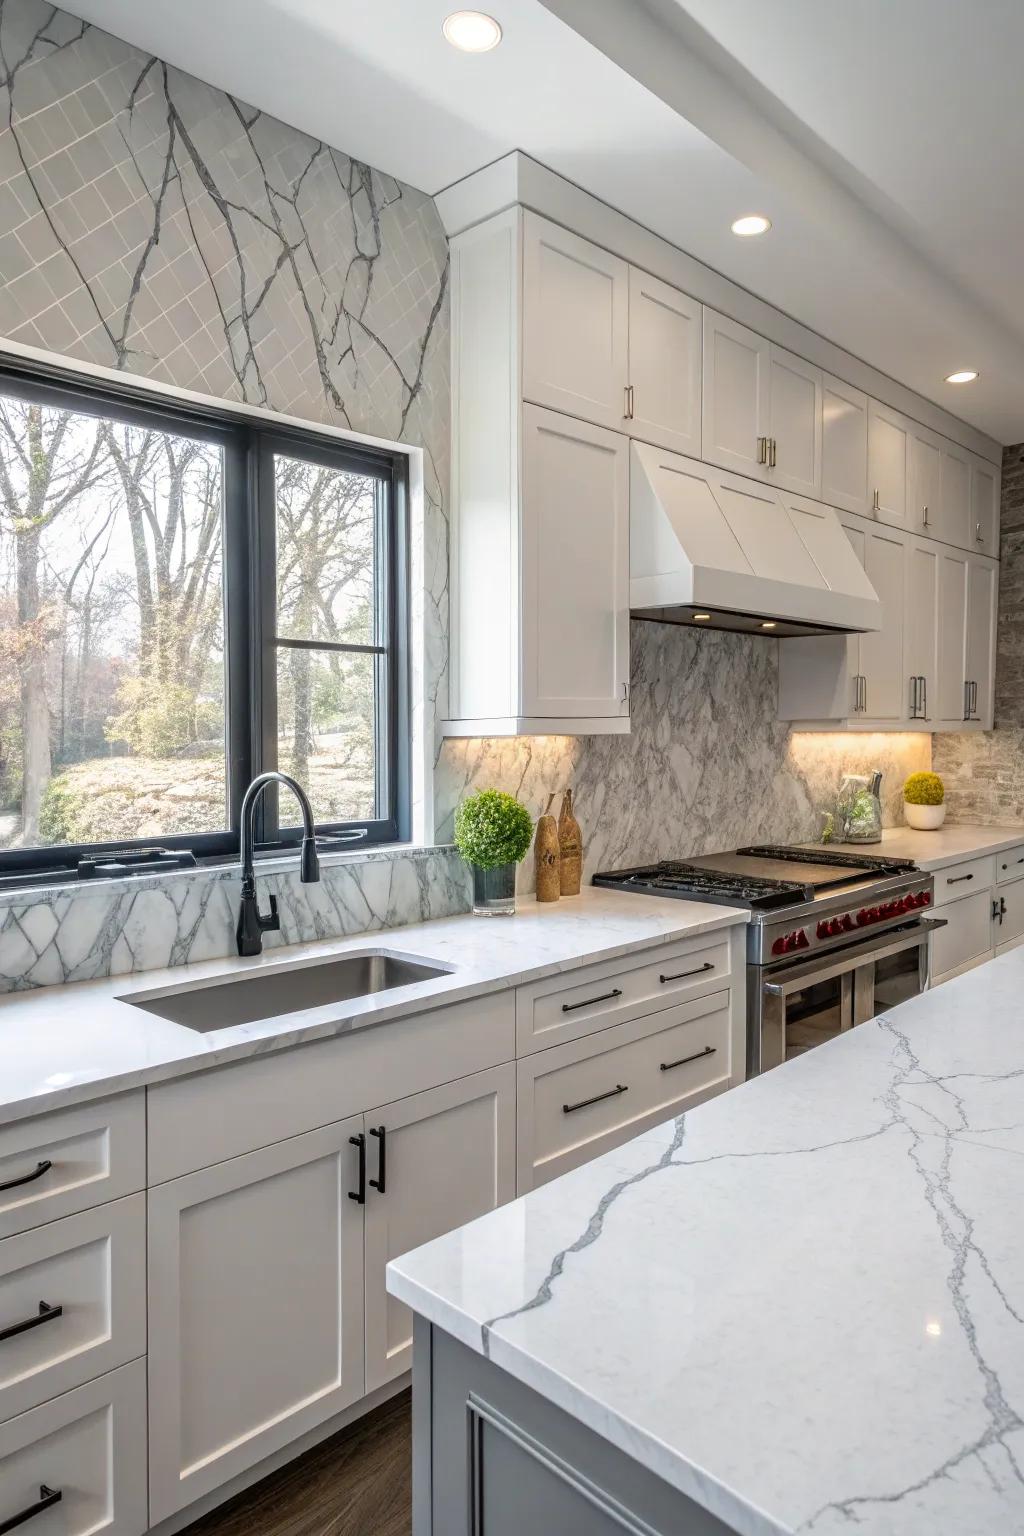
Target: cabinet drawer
[[1010, 865], [578, 1099], [967, 936], [52, 1165], [80, 1286], [88, 1446], [963, 879], [195, 1122], [567, 1007]]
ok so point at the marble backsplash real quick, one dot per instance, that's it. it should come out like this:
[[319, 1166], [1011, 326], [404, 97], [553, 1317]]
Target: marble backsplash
[[114, 928], [707, 765]]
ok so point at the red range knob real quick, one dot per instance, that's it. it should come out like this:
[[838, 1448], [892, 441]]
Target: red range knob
[[824, 929], [926, 898], [862, 917], [779, 947], [802, 941], [847, 921]]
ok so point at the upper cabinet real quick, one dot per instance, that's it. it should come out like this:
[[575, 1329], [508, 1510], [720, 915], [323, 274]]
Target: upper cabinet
[[663, 393], [984, 521], [794, 423], [736, 406], [924, 506], [888, 463], [956, 496], [575, 333], [844, 445]]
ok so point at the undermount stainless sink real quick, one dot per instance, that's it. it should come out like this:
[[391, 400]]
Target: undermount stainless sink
[[213, 1005]]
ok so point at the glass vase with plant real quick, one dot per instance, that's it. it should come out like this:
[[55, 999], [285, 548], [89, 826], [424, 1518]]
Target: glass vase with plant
[[924, 802], [493, 831]]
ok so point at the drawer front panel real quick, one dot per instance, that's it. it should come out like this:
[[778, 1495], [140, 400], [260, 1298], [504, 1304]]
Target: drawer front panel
[[72, 1302], [195, 1122], [567, 1007], [967, 936], [963, 879], [88, 1447], [1010, 865], [56, 1164], [578, 1099]]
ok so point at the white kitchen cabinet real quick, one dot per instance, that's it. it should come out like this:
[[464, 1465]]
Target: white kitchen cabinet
[[888, 463], [255, 1308], [736, 396], [436, 1161], [956, 495], [881, 652], [921, 628], [794, 423], [1008, 916], [540, 543], [575, 324], [87, 1446], [966, 940], [663, 400], [844, 446], [984, 523], [575, 569], [951, 692], [924, 504], [979, 642]]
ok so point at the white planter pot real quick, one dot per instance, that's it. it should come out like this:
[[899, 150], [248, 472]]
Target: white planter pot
[[924, 818]]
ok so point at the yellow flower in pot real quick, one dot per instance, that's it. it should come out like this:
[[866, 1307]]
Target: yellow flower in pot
[[924, 802]]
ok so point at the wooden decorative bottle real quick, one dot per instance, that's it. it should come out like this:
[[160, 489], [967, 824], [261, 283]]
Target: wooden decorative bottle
[[570, 844], [546, 856]]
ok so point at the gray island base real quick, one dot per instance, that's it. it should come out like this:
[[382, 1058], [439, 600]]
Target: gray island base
[[795, 1310]]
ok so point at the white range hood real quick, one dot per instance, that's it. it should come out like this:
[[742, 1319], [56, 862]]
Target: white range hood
[[745, 555]]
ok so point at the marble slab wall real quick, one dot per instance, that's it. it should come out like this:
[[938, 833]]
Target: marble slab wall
[[984, 770], [707, 765]]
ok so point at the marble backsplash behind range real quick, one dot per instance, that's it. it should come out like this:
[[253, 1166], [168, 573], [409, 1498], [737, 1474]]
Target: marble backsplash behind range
[[707, 765]]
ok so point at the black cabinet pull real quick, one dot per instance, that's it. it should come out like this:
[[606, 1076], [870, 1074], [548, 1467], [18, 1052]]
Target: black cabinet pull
[[28, 1178], [956, 879], [681, 975], [709, 1050], [48, 1497], [613, 1093], [46, 1314], [360, 1194], [381, 1133], [604, 998]]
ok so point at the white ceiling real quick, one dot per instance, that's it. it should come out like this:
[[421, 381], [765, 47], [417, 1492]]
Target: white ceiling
[[882, 139]]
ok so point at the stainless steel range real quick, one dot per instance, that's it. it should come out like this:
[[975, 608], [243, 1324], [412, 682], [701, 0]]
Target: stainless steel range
[[833, 938]]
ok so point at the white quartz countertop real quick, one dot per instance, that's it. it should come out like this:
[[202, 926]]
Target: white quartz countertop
[[62, 1044], [935, 850], [802, 1303]]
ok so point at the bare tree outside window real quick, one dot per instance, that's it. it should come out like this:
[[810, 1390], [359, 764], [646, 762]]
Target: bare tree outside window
[[111, 631]]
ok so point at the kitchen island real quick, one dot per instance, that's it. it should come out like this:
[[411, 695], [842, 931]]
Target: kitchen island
[[798, 1308]]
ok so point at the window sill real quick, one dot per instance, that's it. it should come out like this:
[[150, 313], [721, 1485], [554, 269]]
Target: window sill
[[62, 889]]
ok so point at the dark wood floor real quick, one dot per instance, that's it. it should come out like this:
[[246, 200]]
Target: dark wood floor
[[356, 1484]]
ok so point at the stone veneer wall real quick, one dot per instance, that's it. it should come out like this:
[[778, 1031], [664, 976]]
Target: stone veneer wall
[[154, 225], [984, 771]]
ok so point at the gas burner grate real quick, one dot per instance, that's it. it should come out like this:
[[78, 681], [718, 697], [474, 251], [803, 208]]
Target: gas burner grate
[[866, 861], [690, 882]]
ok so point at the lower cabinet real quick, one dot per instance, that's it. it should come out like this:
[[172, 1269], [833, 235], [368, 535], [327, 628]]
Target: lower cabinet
[[982, 902], [76, 1466], [256, 1308], [436, 1161]]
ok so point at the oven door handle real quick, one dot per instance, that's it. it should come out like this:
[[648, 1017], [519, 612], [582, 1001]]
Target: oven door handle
[[850, 959]]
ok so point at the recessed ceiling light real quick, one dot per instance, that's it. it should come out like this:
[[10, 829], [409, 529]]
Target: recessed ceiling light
[[471, 31], [701, 616], [767, 623], [751, 224], [962, 376]]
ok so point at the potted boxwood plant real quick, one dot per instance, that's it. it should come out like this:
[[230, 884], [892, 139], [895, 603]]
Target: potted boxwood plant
[[492, 832], [924, 802]]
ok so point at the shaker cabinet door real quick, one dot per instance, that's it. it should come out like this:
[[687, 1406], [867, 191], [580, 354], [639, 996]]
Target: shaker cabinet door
[[984, 529], [881, 651], [575, 325], [735, 399], [844, 446], [664, 364], [888, 455], [979, 643], [575, 568], [446, 1156], [921, 630], [952, 637], [256, 1309], [795, 415]]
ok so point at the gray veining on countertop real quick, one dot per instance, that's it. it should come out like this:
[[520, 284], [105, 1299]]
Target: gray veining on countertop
[[65, 1044], [802, 1303]]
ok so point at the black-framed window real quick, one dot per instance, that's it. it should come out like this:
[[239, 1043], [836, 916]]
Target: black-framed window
[[187, 598]]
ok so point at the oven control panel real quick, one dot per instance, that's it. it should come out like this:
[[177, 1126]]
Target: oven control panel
[[836, 926]]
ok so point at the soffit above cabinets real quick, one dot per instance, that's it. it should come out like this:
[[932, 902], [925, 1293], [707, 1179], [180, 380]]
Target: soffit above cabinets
[[635, 102]]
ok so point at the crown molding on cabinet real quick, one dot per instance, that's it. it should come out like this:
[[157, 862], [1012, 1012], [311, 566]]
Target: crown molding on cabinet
[[518, 179]]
